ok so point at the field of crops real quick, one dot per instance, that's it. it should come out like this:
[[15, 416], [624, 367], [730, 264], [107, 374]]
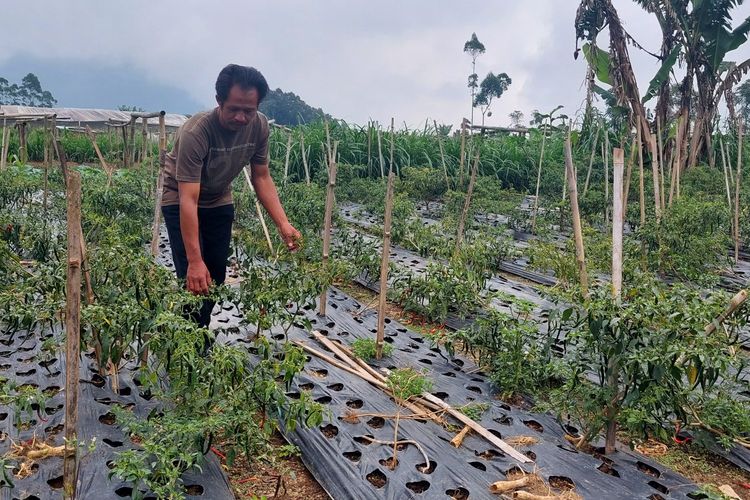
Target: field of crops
[[490, 326]]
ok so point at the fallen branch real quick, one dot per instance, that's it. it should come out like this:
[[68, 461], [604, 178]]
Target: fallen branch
[[458, 439], [509, 485]]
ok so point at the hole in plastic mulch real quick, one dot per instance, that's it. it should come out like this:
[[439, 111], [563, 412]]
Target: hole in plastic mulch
[[657, 486], [647, 469], [418, 486], [354, 456], [562, 483], [376, 422], [377, 478], [427, 468], [533, 425], [355, 404], [56, 483], [608, 469], [363, 439], [329, 431], [478, 465], [458, 494]]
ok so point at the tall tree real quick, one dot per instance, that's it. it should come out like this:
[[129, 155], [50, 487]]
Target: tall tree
[[492, 87], [516, 118], [29, 93], [474, 48]]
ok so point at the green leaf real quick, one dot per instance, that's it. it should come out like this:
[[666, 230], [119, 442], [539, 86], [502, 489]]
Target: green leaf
[[599, 61], [662, 75]]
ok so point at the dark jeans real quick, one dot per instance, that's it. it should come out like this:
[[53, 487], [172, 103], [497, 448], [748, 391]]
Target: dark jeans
[[214, 235]]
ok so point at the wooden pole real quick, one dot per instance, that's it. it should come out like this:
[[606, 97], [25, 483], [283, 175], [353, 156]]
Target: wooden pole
[[737, 194], [23, 150], [641, 179], [72, 333], [462, 155], [3, 151], [328, 217], [591, 163], [575, 212], [286, 160], [628, 176], [726, 174], [739, 299], [144, 141], [618, 157], [655, 174], [329, 152], [131, 145], [159, 186], [661, 163], [380, 155], [99, 155], [47, 153], [369, 147], [259, 211], [606, 179], [304, 158], [385, 256], [467, 203], [538, 182], [125, 155], [393, 134]]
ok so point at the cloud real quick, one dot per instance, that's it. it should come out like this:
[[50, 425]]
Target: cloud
[[355, 59]]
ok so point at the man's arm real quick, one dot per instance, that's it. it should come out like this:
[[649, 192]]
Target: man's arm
[[269, 198], [198, 277]]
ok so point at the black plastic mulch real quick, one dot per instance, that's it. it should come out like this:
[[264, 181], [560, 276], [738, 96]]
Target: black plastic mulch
[[22, 360], [348, 466]]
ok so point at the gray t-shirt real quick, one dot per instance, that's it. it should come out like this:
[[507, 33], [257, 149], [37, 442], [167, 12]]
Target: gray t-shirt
[[206, 152]]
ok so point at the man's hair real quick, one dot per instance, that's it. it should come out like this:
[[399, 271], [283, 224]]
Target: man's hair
[[244, 76]]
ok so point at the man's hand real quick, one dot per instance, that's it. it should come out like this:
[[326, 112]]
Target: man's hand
[[198, 278], [292, 238]]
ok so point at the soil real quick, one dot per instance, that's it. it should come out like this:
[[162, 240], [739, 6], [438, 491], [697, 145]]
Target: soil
[[286, 480], [702, 467]]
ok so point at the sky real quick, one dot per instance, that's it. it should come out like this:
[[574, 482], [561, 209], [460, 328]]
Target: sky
[[356, 59]]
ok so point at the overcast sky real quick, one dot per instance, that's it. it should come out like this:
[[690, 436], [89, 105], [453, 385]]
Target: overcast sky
[[357, 60]]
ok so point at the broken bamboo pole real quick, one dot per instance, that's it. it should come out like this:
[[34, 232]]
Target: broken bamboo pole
[[72, 332], [23, 148], [5, 140], [606, 180], [380, 155], [393, 141], [99, 155], [661, 163], [655, 175], [327, 224], [734, 304], [385, 257], [628, 176], [144, 140], [726, 174], [131, 141], [576, 214]]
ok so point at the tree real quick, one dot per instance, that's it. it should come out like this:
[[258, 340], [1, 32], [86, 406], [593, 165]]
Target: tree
[[492, 87], [130, 109], [287, 108], [29, 93], [516, 119], [474, 48]]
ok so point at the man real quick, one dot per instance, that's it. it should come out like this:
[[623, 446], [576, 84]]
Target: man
[[210, 150]]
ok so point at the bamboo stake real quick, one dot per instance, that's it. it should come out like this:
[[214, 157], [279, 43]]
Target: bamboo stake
[[131, 145], [641, 178], [328, 216], [442, 155], [45, 194], [617, 220], [628, 176], [304, 158], [655, 174], [384, 266], [72, 333], [23, 149], [103, 163], [369, 147], [726, 175], [577, 232], [502, 445], [606, 179], [591, 163], [330, 154], [393, 139], [467, 203], [286, 160], [380, 155], [739, 299], [159, 185], [259, 211], [538, 182], [3, 151], [144, 140], [661, 163], [737, 194], [462, 155]]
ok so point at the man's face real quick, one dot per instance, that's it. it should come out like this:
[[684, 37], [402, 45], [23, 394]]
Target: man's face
[[239, 109]]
